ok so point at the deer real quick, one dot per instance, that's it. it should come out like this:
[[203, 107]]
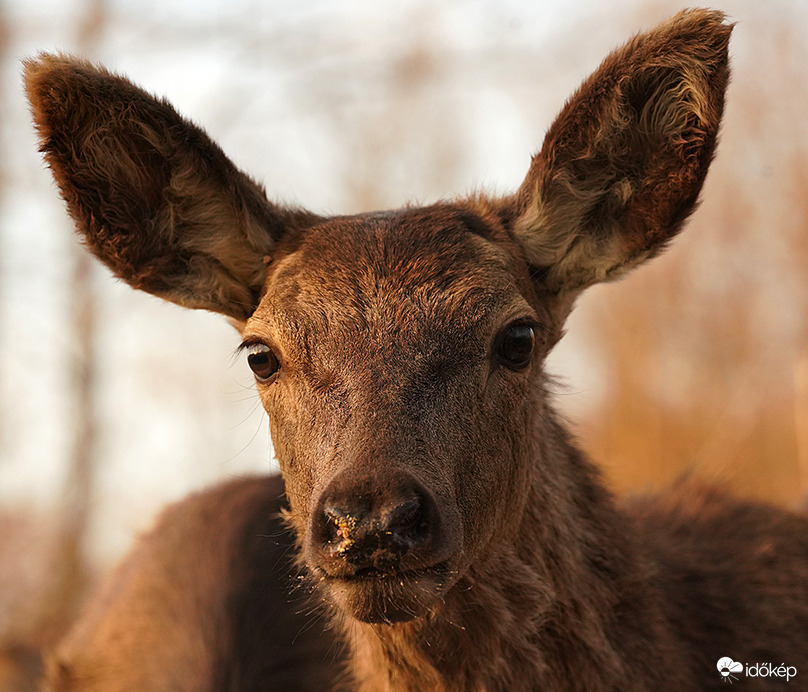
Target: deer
[[441, 510]]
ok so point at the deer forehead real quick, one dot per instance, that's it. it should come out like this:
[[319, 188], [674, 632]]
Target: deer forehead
[[421, 281]]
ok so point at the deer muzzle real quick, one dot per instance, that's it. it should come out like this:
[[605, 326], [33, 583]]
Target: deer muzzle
[[379, 543]]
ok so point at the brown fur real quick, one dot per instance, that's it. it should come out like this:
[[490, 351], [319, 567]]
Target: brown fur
[[185, 612], [461, 538]]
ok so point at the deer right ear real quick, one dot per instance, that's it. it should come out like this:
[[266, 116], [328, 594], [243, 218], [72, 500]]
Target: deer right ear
[[622, 166], [153, 197]]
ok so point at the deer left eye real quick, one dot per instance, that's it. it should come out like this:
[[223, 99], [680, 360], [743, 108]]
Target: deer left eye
[[515, 346], [262, 361]]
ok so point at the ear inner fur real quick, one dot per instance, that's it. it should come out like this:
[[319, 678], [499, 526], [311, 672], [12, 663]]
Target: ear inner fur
[[621, 168], [153, 196]]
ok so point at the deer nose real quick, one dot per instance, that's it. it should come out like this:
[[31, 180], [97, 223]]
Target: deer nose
[[360, 527]]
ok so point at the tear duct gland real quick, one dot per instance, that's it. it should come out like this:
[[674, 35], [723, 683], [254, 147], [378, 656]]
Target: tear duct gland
[[439, 505]]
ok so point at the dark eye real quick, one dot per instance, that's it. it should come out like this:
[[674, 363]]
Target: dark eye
[[262, 361], [515, 346]]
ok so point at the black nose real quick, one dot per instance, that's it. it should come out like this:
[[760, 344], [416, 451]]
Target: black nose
[[374, 524]]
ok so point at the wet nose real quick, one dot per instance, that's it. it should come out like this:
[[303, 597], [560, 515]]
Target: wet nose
[[361, 526]]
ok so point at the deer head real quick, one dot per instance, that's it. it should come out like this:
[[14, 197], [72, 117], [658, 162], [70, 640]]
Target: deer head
[[398, 354]]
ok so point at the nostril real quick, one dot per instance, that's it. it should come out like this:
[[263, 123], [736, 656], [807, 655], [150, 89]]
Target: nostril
[[406, 522]]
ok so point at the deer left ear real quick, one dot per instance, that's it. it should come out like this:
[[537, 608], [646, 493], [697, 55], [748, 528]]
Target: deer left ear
[[623, 164], [153, 197]]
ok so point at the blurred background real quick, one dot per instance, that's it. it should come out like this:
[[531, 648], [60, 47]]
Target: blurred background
[[113, 403]]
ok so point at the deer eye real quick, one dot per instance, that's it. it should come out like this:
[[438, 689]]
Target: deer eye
[[262, 361], [515, 346]]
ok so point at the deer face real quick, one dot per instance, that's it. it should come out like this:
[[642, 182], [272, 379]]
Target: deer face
[[395, 354]]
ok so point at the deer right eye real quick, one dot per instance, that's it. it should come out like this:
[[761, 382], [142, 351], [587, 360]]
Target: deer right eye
[[262, 361], [515, 346]]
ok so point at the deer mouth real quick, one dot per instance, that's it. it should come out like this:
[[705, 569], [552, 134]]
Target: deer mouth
[[387, 596], [374, 574]]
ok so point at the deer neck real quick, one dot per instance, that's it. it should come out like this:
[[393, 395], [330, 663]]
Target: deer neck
[[541, 612]]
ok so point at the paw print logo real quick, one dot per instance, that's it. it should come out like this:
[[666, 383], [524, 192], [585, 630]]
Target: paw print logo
[[726, 666]]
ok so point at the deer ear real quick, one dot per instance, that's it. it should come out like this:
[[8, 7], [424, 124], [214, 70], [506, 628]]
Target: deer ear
[[621, 168], [153, 197]]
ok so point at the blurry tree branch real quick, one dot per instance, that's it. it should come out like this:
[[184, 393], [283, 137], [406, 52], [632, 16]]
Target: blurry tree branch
[[78, 498]]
